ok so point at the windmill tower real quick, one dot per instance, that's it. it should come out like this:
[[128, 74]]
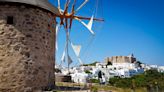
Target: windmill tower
[[27, 45]]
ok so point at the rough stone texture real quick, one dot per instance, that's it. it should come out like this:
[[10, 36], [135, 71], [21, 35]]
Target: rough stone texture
[[26, 49], [121, 59]]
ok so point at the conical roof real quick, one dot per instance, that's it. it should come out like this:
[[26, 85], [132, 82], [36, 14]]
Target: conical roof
[[39, 3]]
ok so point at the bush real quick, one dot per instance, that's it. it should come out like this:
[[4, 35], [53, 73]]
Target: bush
[[94, 81], [57, 70], [92, 64], [151, 78], [112, 81], [87, 72], [94, 89]]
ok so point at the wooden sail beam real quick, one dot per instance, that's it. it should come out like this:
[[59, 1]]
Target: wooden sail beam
[[65, 16], [80, 17], [87, 18], [72, 14], [66, 7], [64, 13]]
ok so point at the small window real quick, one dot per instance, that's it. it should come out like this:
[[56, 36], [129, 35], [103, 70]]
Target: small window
[[10, 20]]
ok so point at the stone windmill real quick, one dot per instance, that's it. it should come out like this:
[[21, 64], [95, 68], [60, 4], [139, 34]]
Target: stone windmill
[[27, 42], [27, 45]]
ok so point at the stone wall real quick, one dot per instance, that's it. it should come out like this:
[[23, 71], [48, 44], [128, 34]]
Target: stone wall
[[120, 59], [27, 48]]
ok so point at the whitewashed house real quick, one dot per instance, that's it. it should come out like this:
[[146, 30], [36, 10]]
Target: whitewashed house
[[161, 69], [80, 77]]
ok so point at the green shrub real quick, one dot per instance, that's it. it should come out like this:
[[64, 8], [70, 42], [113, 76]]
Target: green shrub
[[91, 64], [87, 72], [94, 81], [151, 78], [94, 89]]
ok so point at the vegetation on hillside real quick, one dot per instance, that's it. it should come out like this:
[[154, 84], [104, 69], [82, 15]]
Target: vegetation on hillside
[[87, 72], [91, 64], [151, 79]]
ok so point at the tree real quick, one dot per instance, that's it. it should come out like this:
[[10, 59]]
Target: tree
[[139, 63], [57, 70], [87, 72], [109, 63], [91, 64], [151, 79]]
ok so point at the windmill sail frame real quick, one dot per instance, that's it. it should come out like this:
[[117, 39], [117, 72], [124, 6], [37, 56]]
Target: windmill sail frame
[[66, 20]]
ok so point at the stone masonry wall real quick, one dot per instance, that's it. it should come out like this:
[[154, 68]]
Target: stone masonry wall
[[120, 59], [26, 49]]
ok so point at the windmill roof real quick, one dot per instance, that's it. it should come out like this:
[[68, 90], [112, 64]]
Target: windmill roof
[[44, 4]]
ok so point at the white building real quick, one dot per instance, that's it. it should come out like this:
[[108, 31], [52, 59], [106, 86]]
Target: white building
[[80, 77], [161, 69], [116, 69]]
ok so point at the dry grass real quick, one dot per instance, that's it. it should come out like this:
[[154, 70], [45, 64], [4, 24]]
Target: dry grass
[[97, 87], [116, 89], [69, 84]]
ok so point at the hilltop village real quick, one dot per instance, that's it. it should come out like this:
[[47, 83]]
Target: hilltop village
[[29, 42], [115, 66]]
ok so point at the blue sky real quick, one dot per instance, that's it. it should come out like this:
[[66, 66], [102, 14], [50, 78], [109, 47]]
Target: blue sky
[[131, 26]]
